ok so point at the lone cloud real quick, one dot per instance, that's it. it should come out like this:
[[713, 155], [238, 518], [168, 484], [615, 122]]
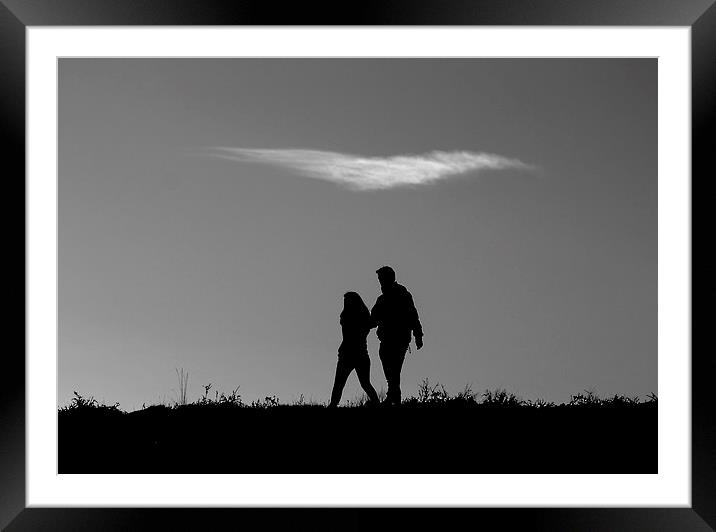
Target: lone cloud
[[372, 173]]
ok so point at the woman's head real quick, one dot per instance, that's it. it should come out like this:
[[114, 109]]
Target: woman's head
[[352, 302]]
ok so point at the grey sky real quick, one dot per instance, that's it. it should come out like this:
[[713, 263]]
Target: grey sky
[[173, 253]]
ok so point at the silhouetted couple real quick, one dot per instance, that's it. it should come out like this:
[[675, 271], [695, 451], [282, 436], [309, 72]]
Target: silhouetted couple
[[395, 316]]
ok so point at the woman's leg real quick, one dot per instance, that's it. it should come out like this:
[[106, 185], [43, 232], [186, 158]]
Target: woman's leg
[[363, 371], [343, 370]]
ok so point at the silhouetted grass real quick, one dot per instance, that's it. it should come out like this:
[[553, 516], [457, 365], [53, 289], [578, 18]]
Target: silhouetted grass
[[433, 431], [428, 394], [183, 377]]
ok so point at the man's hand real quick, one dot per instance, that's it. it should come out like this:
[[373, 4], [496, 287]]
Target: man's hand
[[419, 342]]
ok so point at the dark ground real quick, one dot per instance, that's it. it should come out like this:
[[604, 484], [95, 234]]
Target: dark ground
[[313, 439]]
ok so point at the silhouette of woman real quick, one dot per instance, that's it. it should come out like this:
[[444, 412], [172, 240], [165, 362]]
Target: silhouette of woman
[[353, 351]]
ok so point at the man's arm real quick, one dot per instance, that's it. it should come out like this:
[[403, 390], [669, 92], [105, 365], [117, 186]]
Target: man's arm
[[416, 326]]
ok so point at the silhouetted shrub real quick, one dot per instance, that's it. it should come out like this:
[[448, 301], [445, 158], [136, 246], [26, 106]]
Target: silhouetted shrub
[[270, 401], [220, 399], [466, 396], [80, 403], [538, 403], [501, 397], [432, 394]]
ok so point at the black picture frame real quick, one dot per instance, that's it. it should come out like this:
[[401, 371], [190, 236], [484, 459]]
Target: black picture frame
[[17, 15]]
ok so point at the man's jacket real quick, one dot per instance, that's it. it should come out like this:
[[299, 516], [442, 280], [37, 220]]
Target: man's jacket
[[395, 315]]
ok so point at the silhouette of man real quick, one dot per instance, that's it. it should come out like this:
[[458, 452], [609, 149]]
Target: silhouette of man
[[396, 317]]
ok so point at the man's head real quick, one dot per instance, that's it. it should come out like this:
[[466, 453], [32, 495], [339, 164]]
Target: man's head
[[386, 277]]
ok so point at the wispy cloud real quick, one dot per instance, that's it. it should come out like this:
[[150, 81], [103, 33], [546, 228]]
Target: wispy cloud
[[372, 173]]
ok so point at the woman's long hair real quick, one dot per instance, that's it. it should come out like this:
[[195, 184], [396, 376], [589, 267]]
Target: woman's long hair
[[354, 308]]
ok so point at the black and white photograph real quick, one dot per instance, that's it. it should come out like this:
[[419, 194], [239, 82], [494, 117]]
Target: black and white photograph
[[357, 265]]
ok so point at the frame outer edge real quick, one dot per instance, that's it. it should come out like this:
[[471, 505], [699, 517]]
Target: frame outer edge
[[365, 12], [12, 105], [12, 135], [703, 113]]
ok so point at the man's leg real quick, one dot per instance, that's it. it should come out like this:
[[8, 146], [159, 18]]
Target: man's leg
[[383, 354], [391, 357], [397, 367], [343, 370], [363, 371]]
